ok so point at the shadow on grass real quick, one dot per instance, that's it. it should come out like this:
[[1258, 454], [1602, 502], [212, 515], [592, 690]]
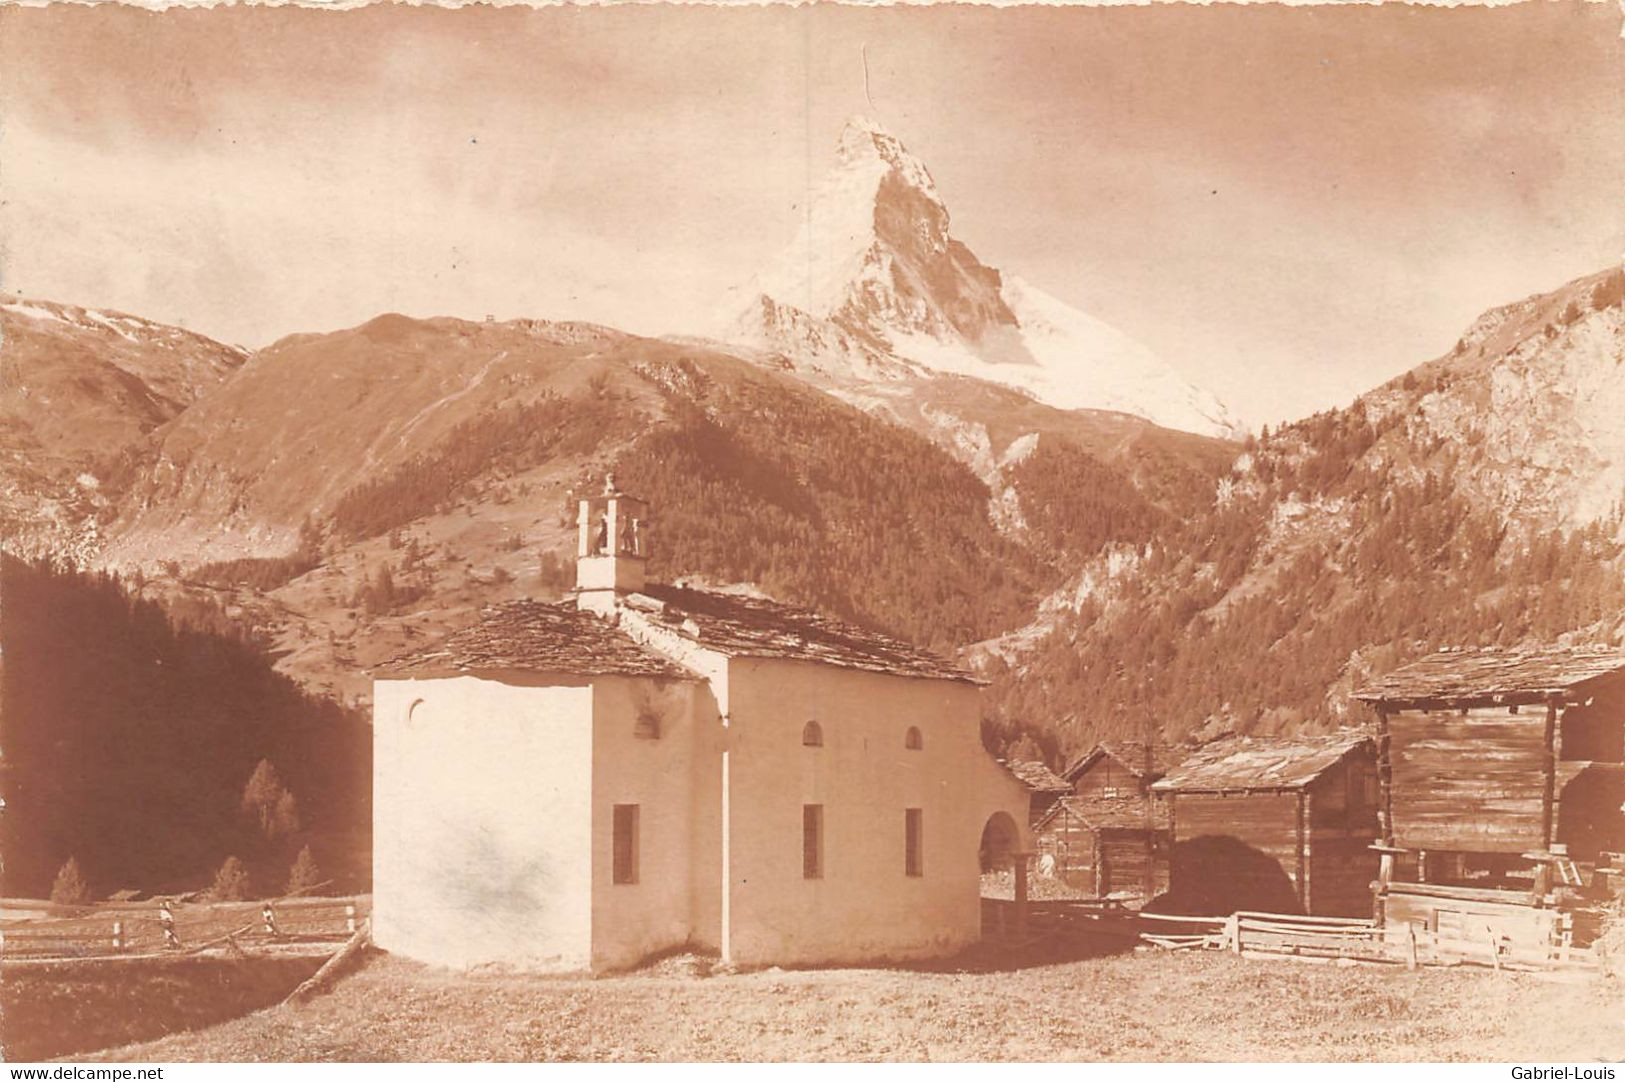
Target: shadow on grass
[[1007, 954], [1044, 946], [61, 1008]]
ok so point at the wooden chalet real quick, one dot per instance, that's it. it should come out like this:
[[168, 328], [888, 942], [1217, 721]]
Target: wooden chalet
[[1281, 826], [1043, 784], [1107, 835], [1503, 775]]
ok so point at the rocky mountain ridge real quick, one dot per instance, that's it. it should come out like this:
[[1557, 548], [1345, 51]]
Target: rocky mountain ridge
[[1475, 500], [344, 495], [874, 290], [81, 388]]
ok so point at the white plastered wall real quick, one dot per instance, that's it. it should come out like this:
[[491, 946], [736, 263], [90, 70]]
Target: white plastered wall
[[482, 820], [864, 908], [658, 773]]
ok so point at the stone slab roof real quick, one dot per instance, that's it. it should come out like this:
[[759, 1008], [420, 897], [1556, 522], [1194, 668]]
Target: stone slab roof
[[1467, 673], [1244, 763], [1117, 815], [749, 626], [534, 636], [1132, 755], [1036, 776]]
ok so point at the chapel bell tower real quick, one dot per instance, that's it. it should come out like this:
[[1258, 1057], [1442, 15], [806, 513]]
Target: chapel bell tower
[[612, 545]]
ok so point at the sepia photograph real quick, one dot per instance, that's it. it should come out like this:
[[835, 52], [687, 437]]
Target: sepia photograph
[[823, 533]]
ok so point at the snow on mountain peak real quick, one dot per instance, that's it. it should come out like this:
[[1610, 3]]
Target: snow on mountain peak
[[863, 140], [875, 287], [858, 126], [837, 229], [1085, 363]]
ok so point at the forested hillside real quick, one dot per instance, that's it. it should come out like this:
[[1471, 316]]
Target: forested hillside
[[1112, 578], [1354, 540], [814, 502], [130, 734], [432, 477]]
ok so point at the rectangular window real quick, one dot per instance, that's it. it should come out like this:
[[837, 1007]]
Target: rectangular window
[[913, 842], [626, 843], [812, 841]]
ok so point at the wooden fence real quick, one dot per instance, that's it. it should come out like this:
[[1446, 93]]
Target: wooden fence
[[126, 929], [1259, 935], [1277, 934], [1050, 919]]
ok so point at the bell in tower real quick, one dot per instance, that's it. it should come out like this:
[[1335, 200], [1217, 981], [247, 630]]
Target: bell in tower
[[612, 545]]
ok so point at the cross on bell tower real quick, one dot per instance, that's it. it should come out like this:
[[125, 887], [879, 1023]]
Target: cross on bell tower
[[612, 545]]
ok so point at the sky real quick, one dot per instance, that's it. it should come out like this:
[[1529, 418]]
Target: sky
[[1289, 204]]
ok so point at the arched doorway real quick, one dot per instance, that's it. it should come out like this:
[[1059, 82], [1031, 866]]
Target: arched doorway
[[1000, 842]]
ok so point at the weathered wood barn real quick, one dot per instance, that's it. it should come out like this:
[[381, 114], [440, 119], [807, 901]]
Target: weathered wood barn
[[1502, 783], [1106, 834], [1280, 826], [1044, 785]]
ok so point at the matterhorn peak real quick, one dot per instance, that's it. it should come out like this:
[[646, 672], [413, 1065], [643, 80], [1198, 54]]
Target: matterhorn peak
[[875, 288], [865, 142], [859, 124]]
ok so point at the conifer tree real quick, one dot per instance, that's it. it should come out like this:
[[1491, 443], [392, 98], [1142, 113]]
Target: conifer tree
[[285, 819], [230, 882], [269, 804], [304, 874], [70, 887], [261, 795]]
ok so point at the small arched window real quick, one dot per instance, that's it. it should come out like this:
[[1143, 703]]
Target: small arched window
[[912, 740], [812, 735]]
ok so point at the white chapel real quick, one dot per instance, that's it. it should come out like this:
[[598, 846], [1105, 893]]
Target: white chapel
[[644, 768]]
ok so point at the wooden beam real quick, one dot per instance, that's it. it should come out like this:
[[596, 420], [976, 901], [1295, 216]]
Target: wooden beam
[[1385, 779], [1548, 818], [1148, 877], [1173, 842], [1385, 872], [1470, 702], [1465, 894], [1303, 849], [1021, 893], [1236, 790], [331, 968], [1557, 767]]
